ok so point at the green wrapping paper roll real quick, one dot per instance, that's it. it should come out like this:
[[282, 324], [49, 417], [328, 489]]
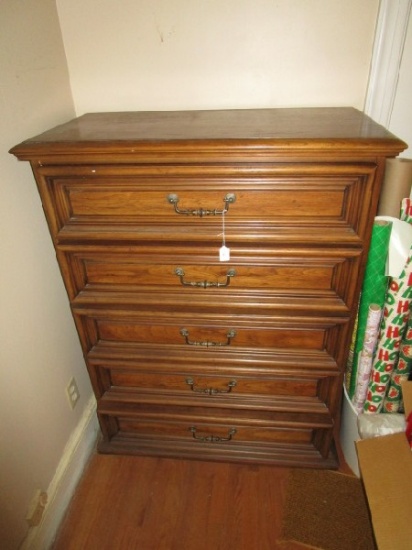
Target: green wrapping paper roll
[[374, 288]]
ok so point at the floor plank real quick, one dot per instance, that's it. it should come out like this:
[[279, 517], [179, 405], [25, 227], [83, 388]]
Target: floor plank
[[145, 503]]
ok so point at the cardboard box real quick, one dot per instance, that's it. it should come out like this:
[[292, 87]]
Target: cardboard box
[[385, 465]]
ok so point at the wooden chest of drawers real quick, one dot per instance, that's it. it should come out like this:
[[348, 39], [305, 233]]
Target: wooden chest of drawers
[[191, 356]]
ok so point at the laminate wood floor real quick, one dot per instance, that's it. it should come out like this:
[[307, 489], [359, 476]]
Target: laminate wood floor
[[143, 503]]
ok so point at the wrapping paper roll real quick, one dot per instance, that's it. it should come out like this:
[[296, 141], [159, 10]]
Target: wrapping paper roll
[[399, 244], [396, 186], [406, 210], [374, 288], [394, 322], [393, 401], [366, 356], [349, 366]]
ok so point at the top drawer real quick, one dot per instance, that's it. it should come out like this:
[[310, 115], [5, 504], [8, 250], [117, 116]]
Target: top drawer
[[275, 202]]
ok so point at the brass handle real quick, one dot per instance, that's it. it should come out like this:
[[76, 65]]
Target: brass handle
[[174, 199], [204, 284], [185, 333], [211, 438], [210, 391]]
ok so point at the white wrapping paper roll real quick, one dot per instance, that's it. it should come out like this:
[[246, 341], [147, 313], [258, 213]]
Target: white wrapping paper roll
[[399, 245], [366, 356]]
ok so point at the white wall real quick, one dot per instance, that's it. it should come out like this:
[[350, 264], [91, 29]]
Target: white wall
[[127, 54], [39, 349], [192, 54], [401, 117]]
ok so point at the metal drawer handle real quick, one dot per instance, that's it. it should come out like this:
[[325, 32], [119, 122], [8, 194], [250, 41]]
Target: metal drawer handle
[[174, 199], [210, 391], [185, 333], [211, 438], [204, 284]]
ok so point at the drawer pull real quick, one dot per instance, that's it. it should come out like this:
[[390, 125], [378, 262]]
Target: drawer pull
[[210, 391], [211, 438], [174, 199], [204, 284], [185, 333]]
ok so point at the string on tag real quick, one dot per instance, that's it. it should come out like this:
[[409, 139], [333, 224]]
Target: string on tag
[[223, 228], [224, 251]]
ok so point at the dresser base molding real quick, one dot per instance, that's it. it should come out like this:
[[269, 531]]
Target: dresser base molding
[[290, 456]]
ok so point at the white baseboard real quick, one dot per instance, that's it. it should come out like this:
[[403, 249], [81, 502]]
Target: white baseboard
[[61, 489]]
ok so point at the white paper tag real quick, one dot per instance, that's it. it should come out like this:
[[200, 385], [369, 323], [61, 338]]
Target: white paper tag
[[224, 253]]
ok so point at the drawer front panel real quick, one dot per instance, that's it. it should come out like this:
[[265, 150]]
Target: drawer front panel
[[285, 334], [210, 441], [290, 413], [131, 201], [289, 338], [204, 385], [213, 434], [187, 276], [119, 201], [213, 377], [212, 337]]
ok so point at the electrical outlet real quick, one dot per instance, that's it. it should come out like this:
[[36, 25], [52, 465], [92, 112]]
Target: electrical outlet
[[72, 392]]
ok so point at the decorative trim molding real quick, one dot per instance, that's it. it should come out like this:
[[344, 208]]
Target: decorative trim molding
[[386, 59], [69, 471]]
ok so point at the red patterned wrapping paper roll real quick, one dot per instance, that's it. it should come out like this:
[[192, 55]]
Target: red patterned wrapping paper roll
[[408, 430], [395, 317], [406, 210], [393, 401]]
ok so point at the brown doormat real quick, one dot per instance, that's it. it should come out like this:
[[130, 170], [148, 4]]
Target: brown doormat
[[326, 510]]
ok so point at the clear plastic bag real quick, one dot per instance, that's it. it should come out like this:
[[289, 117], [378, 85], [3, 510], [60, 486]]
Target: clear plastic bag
[[374, 425]]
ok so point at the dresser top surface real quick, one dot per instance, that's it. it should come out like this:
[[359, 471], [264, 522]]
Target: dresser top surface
[[275, 128]]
